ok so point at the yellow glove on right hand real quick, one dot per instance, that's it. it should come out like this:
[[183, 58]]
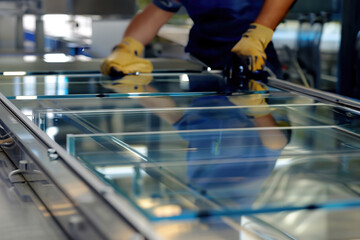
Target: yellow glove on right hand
[[125, 58], [253, 44]]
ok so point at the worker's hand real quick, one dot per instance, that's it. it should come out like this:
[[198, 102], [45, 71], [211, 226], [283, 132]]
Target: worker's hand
[[129, 84], [126, 59], [254, 101], [253, 44]]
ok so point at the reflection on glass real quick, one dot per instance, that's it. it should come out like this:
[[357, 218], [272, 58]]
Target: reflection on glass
[[221, 172], [215, 155], [182, 173], [163, 112], [50, 85], [220, 160], [160, 114], [96, 85], [29, 86], [210, 159]]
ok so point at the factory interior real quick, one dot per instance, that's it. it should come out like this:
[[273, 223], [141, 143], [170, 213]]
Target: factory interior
[[152, 156]]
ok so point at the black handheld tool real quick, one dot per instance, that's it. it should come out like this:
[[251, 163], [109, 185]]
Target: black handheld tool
[[237, 74]]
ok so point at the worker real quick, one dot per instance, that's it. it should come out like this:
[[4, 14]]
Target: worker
[[244, 27]]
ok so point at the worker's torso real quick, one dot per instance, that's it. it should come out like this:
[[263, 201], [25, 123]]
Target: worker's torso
[[222, 20], [218, 25]]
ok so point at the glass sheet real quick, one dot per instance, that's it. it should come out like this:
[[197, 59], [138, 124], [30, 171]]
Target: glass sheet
[[81, 104], [320, 224], [202, 173], [210, 112], [50, 63], [59, 63], [96, 85], [126, 139]]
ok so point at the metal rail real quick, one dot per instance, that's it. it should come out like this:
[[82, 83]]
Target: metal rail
[[78, 176], [315, 94]]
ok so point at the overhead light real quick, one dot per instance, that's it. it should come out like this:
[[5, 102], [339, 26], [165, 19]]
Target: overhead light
[[26, 97], [30, 58], [57, 57], [14, 73]]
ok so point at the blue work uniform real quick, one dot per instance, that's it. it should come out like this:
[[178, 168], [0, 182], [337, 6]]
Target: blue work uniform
[[233, 164], [218, 26]]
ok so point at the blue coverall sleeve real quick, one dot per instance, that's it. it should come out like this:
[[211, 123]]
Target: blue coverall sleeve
[[168, 5]]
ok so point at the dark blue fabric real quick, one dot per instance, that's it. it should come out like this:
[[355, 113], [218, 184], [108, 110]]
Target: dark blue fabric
[[218, 26], [168, 5]]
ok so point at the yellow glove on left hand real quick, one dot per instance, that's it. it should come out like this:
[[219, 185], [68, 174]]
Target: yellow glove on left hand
[[253, 44]]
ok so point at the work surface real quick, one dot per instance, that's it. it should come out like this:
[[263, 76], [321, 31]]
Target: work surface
[[190, 157]]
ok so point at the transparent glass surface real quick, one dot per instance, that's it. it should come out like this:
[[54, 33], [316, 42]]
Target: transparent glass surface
[[192, 113], [36, 106], [320, 224], [50, 181], [220, 172], [49, 63], [182, 147], [97, 85], [59, 63]]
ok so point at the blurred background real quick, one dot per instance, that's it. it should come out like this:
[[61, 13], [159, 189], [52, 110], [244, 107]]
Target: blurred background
[[318, 45]]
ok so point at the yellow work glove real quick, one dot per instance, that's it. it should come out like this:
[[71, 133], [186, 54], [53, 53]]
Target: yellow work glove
[[126, 59], [255, 102], [253, 44], [129, 84]]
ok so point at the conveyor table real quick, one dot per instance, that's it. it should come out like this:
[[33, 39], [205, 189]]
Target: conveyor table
[[174, 156]]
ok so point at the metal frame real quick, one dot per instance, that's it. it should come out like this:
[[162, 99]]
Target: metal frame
[[120, 211], [314, 93], [70, 174]]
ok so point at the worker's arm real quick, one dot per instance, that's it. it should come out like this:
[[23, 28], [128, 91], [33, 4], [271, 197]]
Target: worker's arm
[[127, 55], [254, 42], [273, 12], [145, 25]]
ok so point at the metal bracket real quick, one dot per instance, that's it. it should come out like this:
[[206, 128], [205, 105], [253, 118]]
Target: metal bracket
[[52, 154], [24, 168]]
